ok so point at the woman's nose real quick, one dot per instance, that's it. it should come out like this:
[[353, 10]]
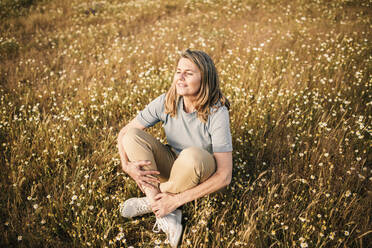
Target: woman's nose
[[181, 76]]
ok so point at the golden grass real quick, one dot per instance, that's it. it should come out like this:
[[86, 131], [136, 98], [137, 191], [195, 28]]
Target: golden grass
[[297, 73]]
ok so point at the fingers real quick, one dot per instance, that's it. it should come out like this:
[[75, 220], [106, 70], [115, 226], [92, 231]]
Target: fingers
[[158, 196], [149, 179], [137, 167], [148, 176], [159, 208], [150, 172], [159, 213], [156, 210], [144, 177], [142, 163], [148, 185]]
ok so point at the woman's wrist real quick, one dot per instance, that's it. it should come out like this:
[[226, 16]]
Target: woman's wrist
[[180, 200]]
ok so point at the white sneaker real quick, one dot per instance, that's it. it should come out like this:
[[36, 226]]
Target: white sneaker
[[171, 225], [135, 207]]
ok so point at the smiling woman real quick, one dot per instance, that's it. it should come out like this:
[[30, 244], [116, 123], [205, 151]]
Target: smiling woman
[[198, 157], [187, 82]]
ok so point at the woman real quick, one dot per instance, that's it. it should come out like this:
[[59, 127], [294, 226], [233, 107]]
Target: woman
[[198, 157]]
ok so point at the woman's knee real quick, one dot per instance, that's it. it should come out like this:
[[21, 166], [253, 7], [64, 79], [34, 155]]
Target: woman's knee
[[192, 154], [129, 136], [195, 157], [193, 166]]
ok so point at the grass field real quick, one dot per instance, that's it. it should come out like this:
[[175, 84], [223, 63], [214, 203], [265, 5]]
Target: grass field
[[298, 75]]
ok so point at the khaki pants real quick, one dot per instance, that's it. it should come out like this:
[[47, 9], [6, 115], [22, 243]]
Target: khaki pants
[[177, 173]]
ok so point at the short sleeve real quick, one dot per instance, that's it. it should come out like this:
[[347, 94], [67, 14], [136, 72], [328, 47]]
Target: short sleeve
[[219, 129], [153, 112]]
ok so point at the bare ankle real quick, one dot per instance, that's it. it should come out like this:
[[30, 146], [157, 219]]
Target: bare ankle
[[151, 193]]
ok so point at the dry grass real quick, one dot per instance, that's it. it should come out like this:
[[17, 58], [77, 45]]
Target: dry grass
[[298, 74]]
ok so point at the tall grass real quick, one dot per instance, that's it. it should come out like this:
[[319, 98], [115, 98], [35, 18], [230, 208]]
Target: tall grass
[[298, 75]]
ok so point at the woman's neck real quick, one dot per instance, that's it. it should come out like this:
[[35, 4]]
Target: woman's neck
[[188, 105]]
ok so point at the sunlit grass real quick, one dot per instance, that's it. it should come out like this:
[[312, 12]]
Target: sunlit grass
[[298, 75]]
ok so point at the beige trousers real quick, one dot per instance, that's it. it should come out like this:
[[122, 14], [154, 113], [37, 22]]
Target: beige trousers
[[177, 173]]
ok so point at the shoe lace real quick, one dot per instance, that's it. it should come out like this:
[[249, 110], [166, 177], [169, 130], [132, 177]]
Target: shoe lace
[[142, 207], [159, 225]]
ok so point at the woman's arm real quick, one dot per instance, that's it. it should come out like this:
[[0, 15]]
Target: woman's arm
[[166, 203]]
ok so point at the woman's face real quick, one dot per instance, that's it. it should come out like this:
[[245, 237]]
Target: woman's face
[[187, 78]]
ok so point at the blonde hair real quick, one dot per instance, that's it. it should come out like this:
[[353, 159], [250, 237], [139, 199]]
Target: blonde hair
[[209, 95]]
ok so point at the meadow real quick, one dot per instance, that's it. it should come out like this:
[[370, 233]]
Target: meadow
[[298, 76]]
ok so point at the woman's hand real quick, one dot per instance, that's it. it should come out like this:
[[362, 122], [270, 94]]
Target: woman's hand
[[140, 176], [165, 203]]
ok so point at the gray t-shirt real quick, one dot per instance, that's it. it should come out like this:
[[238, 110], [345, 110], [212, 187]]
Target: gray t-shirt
[[186, 130]]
